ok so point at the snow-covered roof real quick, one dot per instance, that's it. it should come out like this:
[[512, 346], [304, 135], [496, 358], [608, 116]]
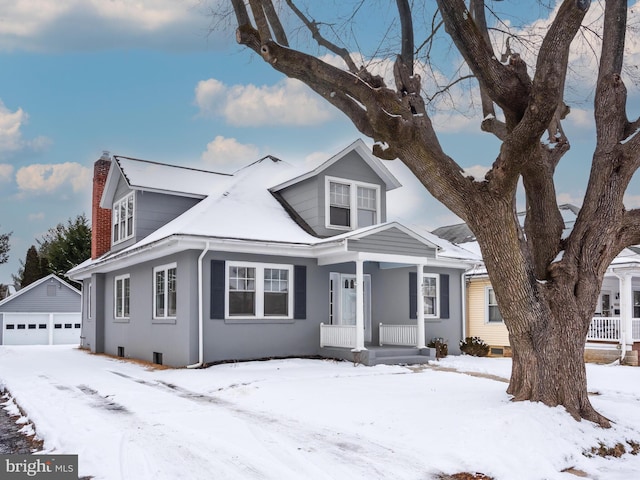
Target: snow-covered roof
[[244, 209], [33, 285], [159, 177]]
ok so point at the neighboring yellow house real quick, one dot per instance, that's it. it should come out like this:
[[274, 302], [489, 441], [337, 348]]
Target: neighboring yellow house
[[615, 328], [483, 317]]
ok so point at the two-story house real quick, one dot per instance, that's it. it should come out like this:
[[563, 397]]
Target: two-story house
[[191, 267]]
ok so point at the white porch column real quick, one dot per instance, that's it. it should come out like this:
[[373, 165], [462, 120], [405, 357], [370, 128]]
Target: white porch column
[[359, 306], [420, 306], [626, 311]]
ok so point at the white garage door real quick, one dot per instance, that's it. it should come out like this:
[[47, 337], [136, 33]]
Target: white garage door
[[41, 328]]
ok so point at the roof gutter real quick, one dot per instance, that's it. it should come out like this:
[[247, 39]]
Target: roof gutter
[[200, 310]]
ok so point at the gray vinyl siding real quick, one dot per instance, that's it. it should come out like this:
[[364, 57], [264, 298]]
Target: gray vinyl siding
[[307, 198], [393, 241], [141, 334], [36, 300], [230, 339], [152, 211], [390, 305]]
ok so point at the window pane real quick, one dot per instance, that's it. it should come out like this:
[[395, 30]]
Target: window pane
[[339, 194], [276, 304], [160, 312], [339, 216], [171, 292], [494, 314], [242, 303], [127, 291], [118, 298], [366, 198], [366, 217]]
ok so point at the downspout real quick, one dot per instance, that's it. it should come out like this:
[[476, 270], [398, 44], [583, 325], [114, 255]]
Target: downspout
[[200, 311]]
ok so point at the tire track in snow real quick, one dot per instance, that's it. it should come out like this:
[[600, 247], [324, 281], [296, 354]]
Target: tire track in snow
[[350, 450]]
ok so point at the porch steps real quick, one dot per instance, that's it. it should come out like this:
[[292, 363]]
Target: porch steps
[[399, 356], [386, 355]]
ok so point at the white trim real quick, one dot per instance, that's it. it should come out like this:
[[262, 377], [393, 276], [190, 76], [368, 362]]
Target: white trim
[[115, 297], [259, 290], [353, 202], [164, 268]]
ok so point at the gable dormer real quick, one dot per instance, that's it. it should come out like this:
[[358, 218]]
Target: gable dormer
[[141, 196], [345, 193]]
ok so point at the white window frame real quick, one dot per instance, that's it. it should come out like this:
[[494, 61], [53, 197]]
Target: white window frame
[[353, 202], [437, 296], [259, 291], [117, 279], [487, 317], [129, 230], [166, 269]]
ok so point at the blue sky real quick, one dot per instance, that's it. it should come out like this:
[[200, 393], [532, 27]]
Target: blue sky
[[145, 79]]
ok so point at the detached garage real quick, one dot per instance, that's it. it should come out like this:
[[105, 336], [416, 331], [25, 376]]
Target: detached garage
[[47, 312]]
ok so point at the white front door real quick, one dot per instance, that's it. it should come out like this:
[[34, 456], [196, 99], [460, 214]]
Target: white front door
[[344, 301]]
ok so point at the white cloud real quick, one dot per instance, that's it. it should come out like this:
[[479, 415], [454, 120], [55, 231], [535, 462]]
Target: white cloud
[[39, 178], [33, 217], [228, 154], [288, 102], [11, 123], [6, 172], [45, 25]]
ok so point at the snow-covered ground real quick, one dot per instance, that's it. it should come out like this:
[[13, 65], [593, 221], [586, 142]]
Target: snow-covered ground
[[311, 419]]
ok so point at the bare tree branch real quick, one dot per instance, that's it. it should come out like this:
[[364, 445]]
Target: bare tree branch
[[261, 20], [322, 41], [274, 21]]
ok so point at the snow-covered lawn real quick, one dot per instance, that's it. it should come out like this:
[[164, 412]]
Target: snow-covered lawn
[[311, 419]]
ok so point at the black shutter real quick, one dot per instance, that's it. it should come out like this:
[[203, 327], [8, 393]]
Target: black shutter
[[299, 292], [413, 295], [217, 289], [444, 296]]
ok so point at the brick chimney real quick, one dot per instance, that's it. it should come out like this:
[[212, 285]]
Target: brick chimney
[[100, 217]]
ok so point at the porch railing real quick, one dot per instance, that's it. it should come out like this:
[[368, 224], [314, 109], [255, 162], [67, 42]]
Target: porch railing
[[635, 329], [398, 335], [337, 336], [604, 328]]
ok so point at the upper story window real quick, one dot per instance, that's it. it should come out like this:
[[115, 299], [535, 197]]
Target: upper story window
[[123, 218], [351, 205], [493, 312]]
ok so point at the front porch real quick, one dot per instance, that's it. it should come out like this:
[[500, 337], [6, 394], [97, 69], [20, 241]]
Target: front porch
[[398, 344]]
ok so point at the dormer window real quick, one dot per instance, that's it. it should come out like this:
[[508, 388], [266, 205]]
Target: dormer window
[[351, 205], [123, 218]]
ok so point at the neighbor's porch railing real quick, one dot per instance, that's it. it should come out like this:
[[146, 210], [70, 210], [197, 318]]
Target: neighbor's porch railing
[[604, 328], [635, 329], [337, 336], [398, 335]]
